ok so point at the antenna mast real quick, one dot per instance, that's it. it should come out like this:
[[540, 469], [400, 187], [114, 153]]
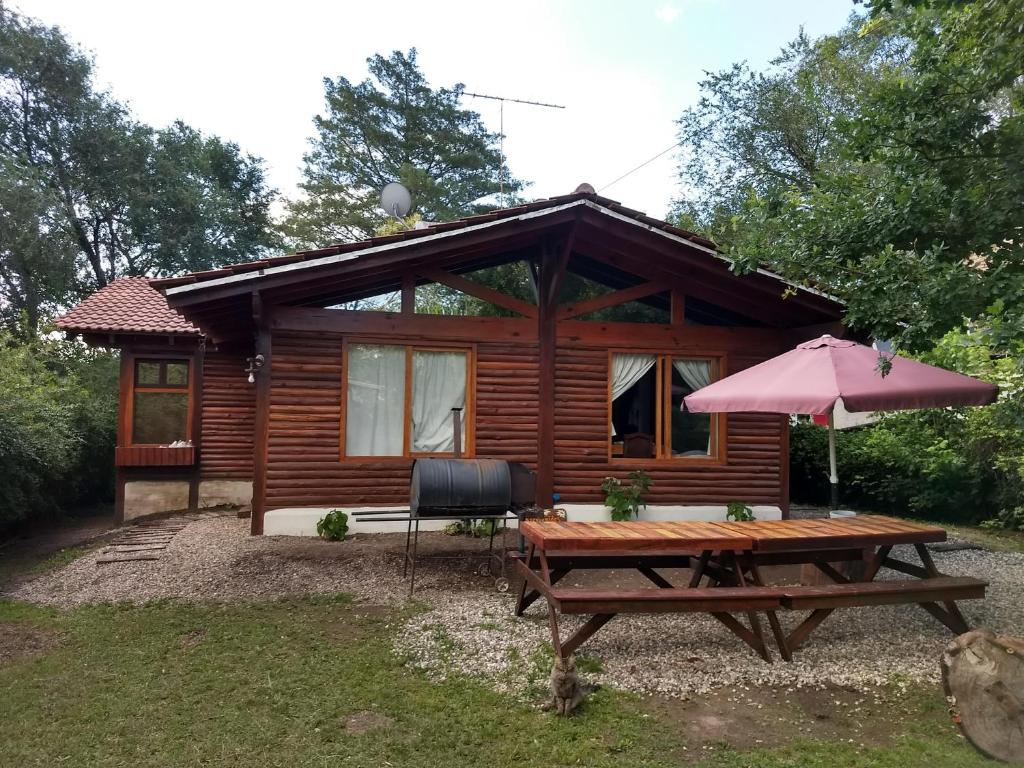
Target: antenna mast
[[501, 129]]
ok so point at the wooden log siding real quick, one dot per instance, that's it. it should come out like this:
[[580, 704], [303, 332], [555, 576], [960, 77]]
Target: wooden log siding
[[304, 432], [305, 423], [228, 409], [751, 473]]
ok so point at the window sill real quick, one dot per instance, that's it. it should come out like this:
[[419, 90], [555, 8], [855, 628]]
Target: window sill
[[154, 456], [675, 461]]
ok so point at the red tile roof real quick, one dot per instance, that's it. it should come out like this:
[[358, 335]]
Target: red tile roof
[[127, 305]]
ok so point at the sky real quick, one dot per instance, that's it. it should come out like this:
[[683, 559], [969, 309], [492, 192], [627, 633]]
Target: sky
[[252, 72]]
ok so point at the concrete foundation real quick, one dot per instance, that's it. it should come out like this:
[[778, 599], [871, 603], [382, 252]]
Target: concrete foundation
[[301, 521], [150, 497], [215, 493]]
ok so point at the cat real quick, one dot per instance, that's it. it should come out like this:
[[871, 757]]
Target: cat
[[566, 689]]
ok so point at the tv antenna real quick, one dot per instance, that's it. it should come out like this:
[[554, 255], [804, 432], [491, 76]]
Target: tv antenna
[[501, 129]]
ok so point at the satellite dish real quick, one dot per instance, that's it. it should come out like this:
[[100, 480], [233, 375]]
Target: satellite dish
[[396, 200]]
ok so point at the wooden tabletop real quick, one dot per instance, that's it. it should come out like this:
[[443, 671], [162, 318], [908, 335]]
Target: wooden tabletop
[[633, 536], [759, 535]]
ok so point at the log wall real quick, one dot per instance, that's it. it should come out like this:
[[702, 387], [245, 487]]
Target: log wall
[[304, 468], [751, 473], [227, 415]]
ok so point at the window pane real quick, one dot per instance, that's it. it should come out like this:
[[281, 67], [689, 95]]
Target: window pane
[[375, 408], [147, 373], [159, 418], [634, 406], [690, 433], [177, 374], [438, 385]]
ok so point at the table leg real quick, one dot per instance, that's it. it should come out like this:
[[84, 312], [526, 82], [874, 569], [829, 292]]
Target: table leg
[[752, 617], [698, 572], [951, 615], [521, 601], [408, 536], [415, 544], [814, 619], [773, 617]]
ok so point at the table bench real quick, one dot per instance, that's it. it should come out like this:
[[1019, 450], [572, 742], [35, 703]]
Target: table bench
[[729, 556]]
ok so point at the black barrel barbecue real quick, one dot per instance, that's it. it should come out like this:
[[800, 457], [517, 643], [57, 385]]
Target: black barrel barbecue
[[463, 490]]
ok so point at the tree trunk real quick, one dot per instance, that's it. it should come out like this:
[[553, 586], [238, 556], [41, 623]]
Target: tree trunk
[[984, 678]]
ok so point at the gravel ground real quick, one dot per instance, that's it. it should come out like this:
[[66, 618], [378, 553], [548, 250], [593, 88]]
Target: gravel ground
[[469, 628], [684, 654]]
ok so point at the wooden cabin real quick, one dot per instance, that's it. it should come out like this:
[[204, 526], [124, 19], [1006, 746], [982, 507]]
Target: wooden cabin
[[259, 383]]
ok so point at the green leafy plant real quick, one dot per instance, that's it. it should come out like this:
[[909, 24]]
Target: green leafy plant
[[333, 526], [1007, 519], [626, 501], [739, 512]]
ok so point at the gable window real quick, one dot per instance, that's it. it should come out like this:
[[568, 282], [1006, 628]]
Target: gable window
[[399, 399], [161, 401], [646, 420]]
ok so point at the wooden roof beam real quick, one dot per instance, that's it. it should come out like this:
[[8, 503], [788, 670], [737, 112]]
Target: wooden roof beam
[[565, 311], [479, 291]]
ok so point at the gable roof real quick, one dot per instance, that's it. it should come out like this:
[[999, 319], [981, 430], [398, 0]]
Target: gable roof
[[127, 305], [219, 301], [252, 270]]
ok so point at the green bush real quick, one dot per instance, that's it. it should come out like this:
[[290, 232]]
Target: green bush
[[58, 417], [954, 464], [333, 526], [625, 501]]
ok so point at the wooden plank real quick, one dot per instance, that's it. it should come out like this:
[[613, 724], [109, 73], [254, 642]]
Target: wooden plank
[[655, 600], [613, 299], [126, 558], [883, 592], [473, 288], [636, 536]]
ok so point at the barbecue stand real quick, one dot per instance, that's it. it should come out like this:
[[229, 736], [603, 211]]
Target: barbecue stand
[[486, 561]]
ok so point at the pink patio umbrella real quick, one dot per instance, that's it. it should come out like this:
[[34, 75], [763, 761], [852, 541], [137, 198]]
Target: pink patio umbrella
[[812, 377]]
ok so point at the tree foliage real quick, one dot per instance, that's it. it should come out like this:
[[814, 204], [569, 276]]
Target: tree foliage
[[89, 180], [882, 163], [393, 127], [57, 427]]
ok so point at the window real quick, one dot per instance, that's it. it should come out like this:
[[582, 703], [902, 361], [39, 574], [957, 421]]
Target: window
[[160, 403], [646, 418], [399, 399]]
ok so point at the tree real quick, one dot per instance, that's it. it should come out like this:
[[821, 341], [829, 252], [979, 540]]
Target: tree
[[393, 127], [909, 205], [37, 258], [132, 200]]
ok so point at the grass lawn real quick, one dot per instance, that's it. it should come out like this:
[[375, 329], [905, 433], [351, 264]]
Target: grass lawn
[[313, 682]]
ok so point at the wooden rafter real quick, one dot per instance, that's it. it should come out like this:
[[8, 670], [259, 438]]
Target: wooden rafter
[[565, 311], [474, 288]]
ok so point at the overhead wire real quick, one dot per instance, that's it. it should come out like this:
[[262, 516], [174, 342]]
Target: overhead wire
[[642, 165]]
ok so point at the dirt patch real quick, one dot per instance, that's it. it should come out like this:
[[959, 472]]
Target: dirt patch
[[748, 718], [23, 641], [192, 638], [356, 622], [359, 723]]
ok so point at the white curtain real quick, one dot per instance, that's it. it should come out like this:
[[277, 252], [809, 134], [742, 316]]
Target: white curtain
[[696, 373], [375, 413], [627, 370], [438, 385]]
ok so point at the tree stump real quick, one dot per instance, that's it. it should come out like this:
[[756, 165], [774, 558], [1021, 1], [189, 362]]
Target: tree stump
[[983, 674]]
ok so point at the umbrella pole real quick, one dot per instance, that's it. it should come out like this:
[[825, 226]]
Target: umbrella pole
[[833, 474]]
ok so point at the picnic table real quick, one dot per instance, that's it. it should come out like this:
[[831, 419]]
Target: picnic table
[[730, 556]]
